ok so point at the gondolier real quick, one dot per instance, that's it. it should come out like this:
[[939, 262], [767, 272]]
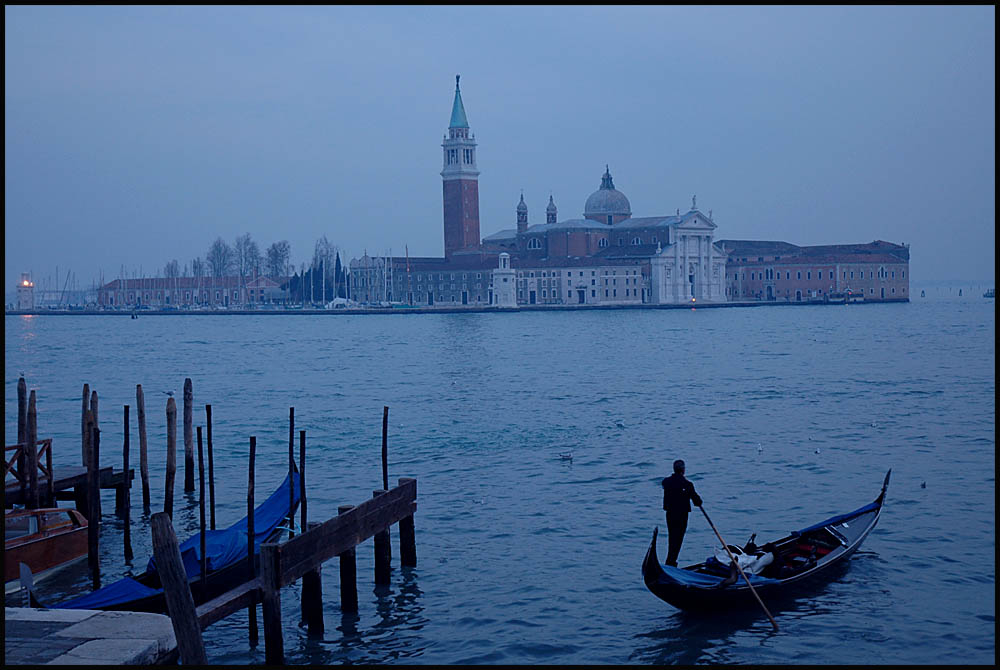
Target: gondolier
[[678, 494]]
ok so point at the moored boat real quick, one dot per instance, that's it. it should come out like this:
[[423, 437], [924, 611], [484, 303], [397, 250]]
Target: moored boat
[[43, 539], [226, 554], [803, 555]]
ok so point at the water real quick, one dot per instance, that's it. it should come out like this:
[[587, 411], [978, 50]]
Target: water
[[526, 558]]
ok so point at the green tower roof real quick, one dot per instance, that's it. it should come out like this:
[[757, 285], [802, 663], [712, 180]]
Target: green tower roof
[[458, 119]]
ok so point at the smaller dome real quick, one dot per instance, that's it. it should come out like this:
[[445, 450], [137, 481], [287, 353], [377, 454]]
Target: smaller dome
[[552, 205], [607, 199], [521, 207]]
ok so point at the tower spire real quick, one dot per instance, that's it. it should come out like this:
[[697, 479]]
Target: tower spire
[[458, 119]]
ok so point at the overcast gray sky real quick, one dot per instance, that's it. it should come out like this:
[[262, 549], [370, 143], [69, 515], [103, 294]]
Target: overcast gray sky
[[137, 135]]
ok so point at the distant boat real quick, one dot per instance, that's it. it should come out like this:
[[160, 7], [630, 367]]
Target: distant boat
[[990, 293], [43, 539], [803, 555]]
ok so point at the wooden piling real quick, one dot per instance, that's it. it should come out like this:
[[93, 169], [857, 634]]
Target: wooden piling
[[180, 602], [51, 498], [31, 452], [251, 572], [93, 449], [168, 501], [211, 468], [201, 525], [348, 574], [93, 408], [383, 565], [93, 507], [127, 493], [188, 436], [291, 468], [302, 479], [270, 586], [385, 448], [82, 492], [84, 431], [407, 536], [140, 404], [22, 435], [312, 595], [385, 466]]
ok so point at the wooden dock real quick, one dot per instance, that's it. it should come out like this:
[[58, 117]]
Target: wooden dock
[[70, 484], [299, 558]]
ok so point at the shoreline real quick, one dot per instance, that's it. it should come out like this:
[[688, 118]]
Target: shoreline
[[458, 309]]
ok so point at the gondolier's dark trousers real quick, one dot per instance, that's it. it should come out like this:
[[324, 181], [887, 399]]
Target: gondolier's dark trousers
[[677, 523]]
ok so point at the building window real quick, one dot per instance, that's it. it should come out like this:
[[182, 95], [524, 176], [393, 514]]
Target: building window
[[809, 274], [534, 243], [798, 275], [603, 242], [621, 241], [609, 219], [653, 240]]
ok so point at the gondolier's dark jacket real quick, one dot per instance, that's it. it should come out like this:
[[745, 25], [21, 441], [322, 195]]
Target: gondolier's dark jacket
[[678, 493]]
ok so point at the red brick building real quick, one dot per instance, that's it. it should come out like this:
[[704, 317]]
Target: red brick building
[[758, 270]]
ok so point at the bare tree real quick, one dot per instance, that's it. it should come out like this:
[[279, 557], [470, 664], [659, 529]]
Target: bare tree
[[219, 258], [246, 255], [278, 255], [172, 270]]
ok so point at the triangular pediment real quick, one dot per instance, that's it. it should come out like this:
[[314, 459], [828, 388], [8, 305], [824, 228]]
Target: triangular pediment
[[695, 221]]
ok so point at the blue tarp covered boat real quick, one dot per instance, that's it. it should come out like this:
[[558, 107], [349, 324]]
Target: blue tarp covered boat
[[225, 551], [803, 555]]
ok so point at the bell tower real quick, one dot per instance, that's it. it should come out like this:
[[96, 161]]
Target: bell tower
[[461, 182]]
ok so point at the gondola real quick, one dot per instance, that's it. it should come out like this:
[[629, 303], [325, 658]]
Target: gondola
[[226, 565], [803, 556]]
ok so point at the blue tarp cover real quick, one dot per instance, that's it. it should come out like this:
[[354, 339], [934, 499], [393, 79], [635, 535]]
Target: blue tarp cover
[[222, 548], [121, 591]]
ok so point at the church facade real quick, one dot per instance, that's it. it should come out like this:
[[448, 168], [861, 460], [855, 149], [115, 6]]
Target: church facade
[[605, 257]]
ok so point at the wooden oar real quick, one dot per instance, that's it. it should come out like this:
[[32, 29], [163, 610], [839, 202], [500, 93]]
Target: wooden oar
[[737, 564]]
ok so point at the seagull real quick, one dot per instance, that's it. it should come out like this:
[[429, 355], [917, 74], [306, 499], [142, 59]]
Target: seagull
[[817, 450], [874, 425], [169, 393], [620, 423], [760, 448], [567, 456]]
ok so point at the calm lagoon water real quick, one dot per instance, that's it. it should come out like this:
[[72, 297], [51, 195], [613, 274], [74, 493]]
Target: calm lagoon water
[[526, 558]]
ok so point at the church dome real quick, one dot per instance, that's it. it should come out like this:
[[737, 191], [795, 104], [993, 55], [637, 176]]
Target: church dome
[[607, 200]]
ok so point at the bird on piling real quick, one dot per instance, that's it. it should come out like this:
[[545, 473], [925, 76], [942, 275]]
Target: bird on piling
[[169, 393]]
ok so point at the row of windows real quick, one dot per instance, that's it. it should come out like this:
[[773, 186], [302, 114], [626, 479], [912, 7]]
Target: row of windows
[[467, 156], [771, 274]]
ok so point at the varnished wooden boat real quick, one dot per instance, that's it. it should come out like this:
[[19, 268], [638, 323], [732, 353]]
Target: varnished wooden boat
[[43, 539], [803, 556]]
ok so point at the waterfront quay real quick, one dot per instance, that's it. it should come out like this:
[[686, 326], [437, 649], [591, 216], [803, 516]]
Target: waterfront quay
[[86, 637], [464, 309]]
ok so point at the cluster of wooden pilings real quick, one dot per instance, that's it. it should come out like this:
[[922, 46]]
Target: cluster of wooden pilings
[[281, 564]]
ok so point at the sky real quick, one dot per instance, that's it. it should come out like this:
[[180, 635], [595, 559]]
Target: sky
[[138, 135]]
